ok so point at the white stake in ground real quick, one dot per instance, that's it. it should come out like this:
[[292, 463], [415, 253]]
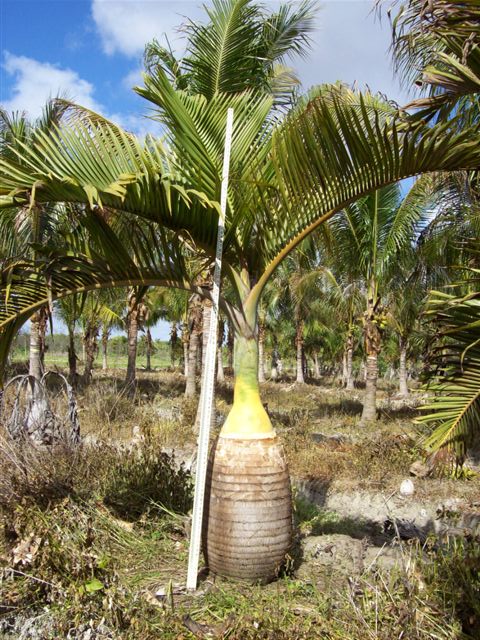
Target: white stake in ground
[[208, 381]]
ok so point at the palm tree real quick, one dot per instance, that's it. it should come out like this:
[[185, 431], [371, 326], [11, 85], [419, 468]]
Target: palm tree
[[374, 235], [289, 175], [27, 226], [435, 47], [69, 311], [137, 314], [95, 313]]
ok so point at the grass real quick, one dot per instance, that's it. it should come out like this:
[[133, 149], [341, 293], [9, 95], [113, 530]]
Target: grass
[[89, 536]]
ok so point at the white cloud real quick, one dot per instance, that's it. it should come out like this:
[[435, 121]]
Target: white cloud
[[351, 45], [133, 78], [34, 83], [137, 124], [125, 26]]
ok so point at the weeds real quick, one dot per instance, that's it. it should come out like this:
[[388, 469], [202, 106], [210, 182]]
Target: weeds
[[90, 534]]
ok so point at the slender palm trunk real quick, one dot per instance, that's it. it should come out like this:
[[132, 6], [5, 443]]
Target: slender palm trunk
[[191, 385], [369, 413], [105, 349], [300, 355], [344, 369], [316, 365], [220, 371], [230, 346], [173, 342], [148, 348], [402, 371], [349, 383], [72, 356], [91, 347], [372, 349], [274, 362], [206, 314], [195, 330], [261, 351], [132, 341], [35, 368], [185, 342]]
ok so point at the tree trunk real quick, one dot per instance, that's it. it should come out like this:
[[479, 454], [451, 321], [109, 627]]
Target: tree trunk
[[194, 344], [105, 349], [38, 328], [349, 385], [132, 340], [248, 496], [91, 347], [274, 363], [261, 352], [299, 346], [369, 413], [185, 342], [72, 357], [220, 372], [402, 371], [148, 348], [230, 346], [344, 369], [191, 385], [173, 342], [316, 365], [372, 349]]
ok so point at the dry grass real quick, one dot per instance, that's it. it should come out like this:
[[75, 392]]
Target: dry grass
[[89, 535]]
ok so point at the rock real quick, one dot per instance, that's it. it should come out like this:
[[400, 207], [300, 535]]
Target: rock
[[331, 553], [419, 469], [407, 488], [327, 438], [386, 557]]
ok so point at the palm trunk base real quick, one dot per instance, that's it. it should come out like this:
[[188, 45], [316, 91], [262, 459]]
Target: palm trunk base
[[248, 509]]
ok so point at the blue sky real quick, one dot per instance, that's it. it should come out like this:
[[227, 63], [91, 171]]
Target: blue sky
[[91, 51]]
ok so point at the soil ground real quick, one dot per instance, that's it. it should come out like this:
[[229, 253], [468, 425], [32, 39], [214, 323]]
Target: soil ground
[[363, 555]]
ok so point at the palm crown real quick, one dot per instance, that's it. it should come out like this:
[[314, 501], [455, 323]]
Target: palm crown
[[288, 175]]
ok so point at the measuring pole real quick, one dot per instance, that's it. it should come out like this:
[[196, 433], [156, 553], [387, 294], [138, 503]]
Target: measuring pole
[[208, 380]]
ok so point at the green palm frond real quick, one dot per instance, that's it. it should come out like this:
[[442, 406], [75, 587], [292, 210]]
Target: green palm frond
[[454, 412], [241, 44], [436, 46], [342, 146]]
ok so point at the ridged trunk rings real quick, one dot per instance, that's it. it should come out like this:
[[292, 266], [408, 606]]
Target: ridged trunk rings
[[248, 509]]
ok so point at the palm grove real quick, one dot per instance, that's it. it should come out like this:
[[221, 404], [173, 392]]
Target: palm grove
[[316, 223]]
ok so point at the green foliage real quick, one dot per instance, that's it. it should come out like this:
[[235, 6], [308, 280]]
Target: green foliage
[[454, 411], [146, 479]]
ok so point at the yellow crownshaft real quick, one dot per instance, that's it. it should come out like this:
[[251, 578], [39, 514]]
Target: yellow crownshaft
[[247, 418]]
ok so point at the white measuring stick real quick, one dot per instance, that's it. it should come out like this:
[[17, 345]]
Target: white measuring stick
[[208, 381]]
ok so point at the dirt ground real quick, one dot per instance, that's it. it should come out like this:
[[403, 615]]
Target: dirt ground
[[354, 570]]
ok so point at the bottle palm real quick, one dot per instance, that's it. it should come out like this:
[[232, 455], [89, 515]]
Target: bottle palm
[[288, 176]]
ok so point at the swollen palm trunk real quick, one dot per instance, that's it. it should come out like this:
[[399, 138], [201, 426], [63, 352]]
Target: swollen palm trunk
[[248, 511]]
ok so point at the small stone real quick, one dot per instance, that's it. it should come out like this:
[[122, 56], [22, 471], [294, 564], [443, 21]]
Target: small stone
[[419, 469], [407, 488]]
